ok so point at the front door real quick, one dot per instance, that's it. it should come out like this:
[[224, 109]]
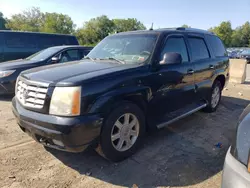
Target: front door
[[174, 83]]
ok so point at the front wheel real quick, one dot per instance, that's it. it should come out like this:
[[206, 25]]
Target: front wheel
[[214, 98], [122, 132]]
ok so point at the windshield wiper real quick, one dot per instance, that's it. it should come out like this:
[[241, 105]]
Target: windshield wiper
[[118, 60], [87, 57]]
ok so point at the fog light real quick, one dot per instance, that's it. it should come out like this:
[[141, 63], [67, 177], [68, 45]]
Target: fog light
[[58, 142]]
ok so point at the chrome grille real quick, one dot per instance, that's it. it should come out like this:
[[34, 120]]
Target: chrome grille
[[31, 94]]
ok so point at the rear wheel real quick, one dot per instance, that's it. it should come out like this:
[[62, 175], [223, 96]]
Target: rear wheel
[[122, 132], [215, 97]]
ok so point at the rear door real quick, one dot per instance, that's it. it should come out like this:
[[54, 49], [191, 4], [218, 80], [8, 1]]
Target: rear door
[[203, 64], [1, 47]]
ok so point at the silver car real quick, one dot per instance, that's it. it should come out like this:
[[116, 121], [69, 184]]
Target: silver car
[[236, 171]]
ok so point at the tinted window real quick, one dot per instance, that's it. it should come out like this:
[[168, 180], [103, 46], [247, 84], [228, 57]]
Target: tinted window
[[198, 48], [83, 53], [15, 40], [217, 45], [176, 45], [69, 55]]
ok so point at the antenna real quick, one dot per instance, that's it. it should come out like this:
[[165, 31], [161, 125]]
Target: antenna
[[151, 28]]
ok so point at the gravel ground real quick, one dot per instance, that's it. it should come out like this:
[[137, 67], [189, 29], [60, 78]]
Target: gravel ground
[[182, 155]]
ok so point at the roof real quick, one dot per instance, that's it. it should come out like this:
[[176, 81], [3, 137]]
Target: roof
[[12, 31], [177, 29]]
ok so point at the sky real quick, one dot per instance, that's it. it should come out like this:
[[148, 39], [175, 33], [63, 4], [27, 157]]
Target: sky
[[202, 14]]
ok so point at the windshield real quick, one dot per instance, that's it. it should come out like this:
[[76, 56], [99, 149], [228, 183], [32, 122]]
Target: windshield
[[246, 52], [43, 54], [126, 49]]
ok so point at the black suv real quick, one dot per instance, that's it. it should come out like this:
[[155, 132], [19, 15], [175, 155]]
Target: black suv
[[128, 84]]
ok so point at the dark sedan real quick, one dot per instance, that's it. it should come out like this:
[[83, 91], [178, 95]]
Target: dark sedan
[[236, 172], [245, 55], [10, 70]]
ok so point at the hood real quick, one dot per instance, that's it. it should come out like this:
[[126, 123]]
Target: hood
[[72, 72], [19, 63]]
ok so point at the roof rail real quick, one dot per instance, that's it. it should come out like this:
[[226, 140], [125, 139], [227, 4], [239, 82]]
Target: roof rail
[[193, 29]]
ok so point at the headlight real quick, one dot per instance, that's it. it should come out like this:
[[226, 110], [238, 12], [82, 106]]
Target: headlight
[[66, 101], [6, 73]]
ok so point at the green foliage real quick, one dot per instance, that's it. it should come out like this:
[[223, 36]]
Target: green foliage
[[129, 24], [35, 20], [57, 23], [28, 20], [224, 31], [2, 22], [186, 26], [98, 28]]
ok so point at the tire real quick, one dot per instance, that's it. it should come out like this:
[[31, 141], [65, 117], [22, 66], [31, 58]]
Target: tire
[[212, 106], [108, 148]]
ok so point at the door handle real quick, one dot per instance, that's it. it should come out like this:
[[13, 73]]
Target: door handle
[[190, 71], [211, 66]]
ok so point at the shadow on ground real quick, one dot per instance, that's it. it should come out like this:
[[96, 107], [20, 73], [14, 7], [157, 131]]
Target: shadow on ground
[[181, 155]]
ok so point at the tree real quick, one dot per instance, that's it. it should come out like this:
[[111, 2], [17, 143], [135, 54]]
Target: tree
[[95, 30], [237, 38], [129, 24], [28, 20], [57, 23], [186, 26], [2, 22], [224, 31], [245, 32]]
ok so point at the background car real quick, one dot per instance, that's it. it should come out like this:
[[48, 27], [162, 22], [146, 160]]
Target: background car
[[236, 171], [16, 45], [246, 55], [10, 70], [232, 54]]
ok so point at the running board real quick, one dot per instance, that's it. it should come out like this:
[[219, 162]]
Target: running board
[[164, 124]]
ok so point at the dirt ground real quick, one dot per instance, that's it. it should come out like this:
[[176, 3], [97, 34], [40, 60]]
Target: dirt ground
[[182, 155]]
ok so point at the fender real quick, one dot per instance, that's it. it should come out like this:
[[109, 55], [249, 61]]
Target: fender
[[106, 102], [241, 142]]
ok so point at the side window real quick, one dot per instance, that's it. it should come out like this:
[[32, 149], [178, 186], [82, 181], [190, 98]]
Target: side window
[[83, 53], [176, 44], [69, 55], [217, 45], [15, 40], [198, 48]]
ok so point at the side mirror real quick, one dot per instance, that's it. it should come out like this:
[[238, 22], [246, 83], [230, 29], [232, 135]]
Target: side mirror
[[171, 58], [54, 59]]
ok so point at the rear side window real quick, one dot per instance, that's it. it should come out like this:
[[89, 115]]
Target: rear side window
[[217, 45], [198, 48], [176, 44]]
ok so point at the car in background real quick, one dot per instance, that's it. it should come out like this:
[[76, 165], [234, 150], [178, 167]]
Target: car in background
[[10, 70], [232, 54], [245, 55], [16, 45], [236, 171]]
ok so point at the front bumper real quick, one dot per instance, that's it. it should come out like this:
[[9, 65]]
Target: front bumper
[[235, 174], [71, 134]]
